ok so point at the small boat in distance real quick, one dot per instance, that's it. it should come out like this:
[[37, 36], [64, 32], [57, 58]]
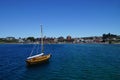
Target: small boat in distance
[[38, 58]]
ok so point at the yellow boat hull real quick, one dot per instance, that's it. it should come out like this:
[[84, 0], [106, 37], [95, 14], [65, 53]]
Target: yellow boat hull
[[38, 60]]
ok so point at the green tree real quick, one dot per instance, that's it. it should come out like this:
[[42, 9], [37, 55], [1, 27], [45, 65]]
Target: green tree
[[31, 39]]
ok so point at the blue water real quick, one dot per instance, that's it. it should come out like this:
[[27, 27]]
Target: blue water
[[68, 62]]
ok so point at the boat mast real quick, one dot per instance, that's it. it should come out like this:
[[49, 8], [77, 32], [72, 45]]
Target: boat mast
[[41, 40]]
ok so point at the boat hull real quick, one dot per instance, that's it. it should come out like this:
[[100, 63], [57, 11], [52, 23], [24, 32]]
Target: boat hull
[[38, 60]]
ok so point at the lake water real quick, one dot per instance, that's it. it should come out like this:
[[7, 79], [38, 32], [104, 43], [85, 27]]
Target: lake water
[[68, 62]]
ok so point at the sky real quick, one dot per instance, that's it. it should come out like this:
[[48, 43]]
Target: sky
[[77, 18]]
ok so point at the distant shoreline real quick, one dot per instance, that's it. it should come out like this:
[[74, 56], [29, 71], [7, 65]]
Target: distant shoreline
[[59, 43]]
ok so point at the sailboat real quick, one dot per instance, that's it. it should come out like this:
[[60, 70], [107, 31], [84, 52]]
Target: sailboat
[[39, 58]]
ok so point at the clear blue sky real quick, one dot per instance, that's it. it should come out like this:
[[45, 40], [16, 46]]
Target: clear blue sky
[[78, 18]]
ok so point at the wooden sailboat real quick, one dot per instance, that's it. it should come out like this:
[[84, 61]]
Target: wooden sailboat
[[39, 58]]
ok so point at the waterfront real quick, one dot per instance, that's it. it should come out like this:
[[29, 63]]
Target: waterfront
[[68, 62]]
